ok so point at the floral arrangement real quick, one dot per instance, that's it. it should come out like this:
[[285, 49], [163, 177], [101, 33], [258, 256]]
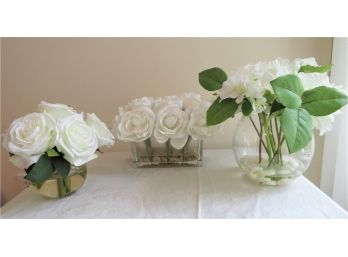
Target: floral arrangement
[[290, 99], [53, 139], [171, 120]]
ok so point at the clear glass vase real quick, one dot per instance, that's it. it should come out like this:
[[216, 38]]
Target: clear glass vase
[[266, 159], [58, 187], [150, 153]]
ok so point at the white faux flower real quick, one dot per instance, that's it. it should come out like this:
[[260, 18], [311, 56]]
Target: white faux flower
[[255, 89], [312, 80], [259, 104], [140, 102], [29, 137], [298, 62], [168, 100], [252, 81], [105, 137], [190, 102], [171, 123], [234, 87], [324, 123], [24, 162], [197, 126], [134, 125], [77, 141], [56, 111], [267, 71]]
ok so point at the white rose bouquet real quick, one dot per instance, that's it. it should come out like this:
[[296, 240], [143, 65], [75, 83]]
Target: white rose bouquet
[[54, 139], [288, 98], [173, 121]]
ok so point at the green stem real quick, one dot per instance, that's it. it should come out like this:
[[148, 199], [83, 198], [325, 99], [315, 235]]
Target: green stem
[[258, 133], [278, 138], [273, 141], [67, 184], [277, 152], [168, 149], [149, 150], [280, 148], [185, 149], [260, 140], [268, 141], [61, 187]]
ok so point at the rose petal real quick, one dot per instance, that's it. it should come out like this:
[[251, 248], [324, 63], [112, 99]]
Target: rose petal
[[105, 137], [179, 143], [160, 138], [79, 161], [24, 162]]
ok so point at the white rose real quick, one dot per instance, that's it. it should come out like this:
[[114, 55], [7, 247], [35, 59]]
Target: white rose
[[24, 162], [76, 140], [197, 127], [57, 111], [29, 137], [171, 123], [105, 137], [190, 102], [140, 102], [134, 125], [161, 102]]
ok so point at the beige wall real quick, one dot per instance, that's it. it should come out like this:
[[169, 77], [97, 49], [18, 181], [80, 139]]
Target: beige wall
[[100, 74]]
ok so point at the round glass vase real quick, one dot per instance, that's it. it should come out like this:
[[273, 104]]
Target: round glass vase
[[260, 149], [58, 187]]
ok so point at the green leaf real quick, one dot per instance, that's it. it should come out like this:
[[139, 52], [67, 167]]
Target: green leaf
[[220, 111], [212, 79], [247, 108], [61, 165], [52, 153], [311, 69], [297, 128], [27, 170], [276, 106], [41, 170], [269, 96], [288, 90], [322, 101]]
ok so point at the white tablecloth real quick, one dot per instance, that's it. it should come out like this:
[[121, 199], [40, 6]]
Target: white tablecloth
[[114, 189]]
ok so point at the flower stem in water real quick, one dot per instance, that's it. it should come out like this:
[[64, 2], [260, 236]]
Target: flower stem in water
[[168, 149], [149, 150], [185, 149], [61, 187]]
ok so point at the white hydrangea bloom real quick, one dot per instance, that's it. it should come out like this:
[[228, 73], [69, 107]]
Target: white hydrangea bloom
[[324, 123], [252, 81]]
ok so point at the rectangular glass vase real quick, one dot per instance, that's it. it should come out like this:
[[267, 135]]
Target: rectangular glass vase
[[150, 153]]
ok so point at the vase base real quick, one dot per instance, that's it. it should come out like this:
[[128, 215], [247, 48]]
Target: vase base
[[57, 187], [166, 162], [276, 174]]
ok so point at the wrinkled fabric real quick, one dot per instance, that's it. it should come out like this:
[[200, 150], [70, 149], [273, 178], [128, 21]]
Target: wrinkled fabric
[[114, 189]]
